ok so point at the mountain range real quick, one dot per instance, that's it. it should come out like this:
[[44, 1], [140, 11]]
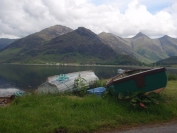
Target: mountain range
[[62, 44], [169, 61]]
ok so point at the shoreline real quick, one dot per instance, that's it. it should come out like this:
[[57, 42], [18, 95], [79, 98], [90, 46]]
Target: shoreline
[[92, 65], [77, 65]]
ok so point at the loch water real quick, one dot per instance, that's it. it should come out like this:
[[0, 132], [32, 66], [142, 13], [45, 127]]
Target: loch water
[[28, 77]]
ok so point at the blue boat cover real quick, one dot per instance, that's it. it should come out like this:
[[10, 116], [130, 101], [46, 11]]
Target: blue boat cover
[[98, 91]]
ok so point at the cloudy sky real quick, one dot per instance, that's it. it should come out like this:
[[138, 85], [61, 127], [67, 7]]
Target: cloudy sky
[[125, 18]]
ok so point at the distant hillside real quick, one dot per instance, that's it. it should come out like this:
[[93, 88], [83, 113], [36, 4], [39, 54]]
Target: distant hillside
[[169, 45], [147, 47], [78, 46], [169, 61], [141, 47], [39, 38], [121, 46], [20, 46], [61, 44], [5, 41]]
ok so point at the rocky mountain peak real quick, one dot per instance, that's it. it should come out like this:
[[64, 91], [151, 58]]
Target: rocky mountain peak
[[86, 32], [165, 37], [140, 34], [103, 33], [53, 31]]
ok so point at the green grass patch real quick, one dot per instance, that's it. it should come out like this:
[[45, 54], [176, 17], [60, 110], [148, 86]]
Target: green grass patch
[[68, 113], [171, 76], [9, 53]]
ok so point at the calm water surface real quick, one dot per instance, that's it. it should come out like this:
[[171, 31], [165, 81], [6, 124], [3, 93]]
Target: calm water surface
[[29, 77]]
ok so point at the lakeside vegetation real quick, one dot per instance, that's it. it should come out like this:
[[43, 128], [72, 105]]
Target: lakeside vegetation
[[71, 113]]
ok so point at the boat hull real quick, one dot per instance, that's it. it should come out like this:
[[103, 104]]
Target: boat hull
[[146, 81], [55, 84]]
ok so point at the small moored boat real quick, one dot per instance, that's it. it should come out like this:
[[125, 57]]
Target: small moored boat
[[146, 80], [65, 82]]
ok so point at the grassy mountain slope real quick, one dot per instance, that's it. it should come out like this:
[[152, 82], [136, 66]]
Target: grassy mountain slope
[[169, 61], [78, 46], [169, 45], [62, 44], [21, 46], [147, 47], [121, 46]]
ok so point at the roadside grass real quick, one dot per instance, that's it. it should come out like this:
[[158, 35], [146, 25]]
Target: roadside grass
[[169, 97], [68, 113]]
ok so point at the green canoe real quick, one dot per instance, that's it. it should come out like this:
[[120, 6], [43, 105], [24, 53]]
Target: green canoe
[[138, 81]]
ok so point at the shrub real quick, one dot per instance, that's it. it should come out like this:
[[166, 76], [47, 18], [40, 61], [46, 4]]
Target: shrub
[[140, 99]]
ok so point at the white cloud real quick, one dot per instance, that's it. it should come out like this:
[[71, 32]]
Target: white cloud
[[124, 18]]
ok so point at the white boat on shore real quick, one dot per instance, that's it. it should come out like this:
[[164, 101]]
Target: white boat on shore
[[65, 82]]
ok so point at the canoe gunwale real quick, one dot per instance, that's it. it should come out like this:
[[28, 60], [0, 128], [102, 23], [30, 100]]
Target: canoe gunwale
[[134, 76]]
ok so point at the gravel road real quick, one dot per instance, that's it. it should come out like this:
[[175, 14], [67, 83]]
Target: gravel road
[[169, 127]]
